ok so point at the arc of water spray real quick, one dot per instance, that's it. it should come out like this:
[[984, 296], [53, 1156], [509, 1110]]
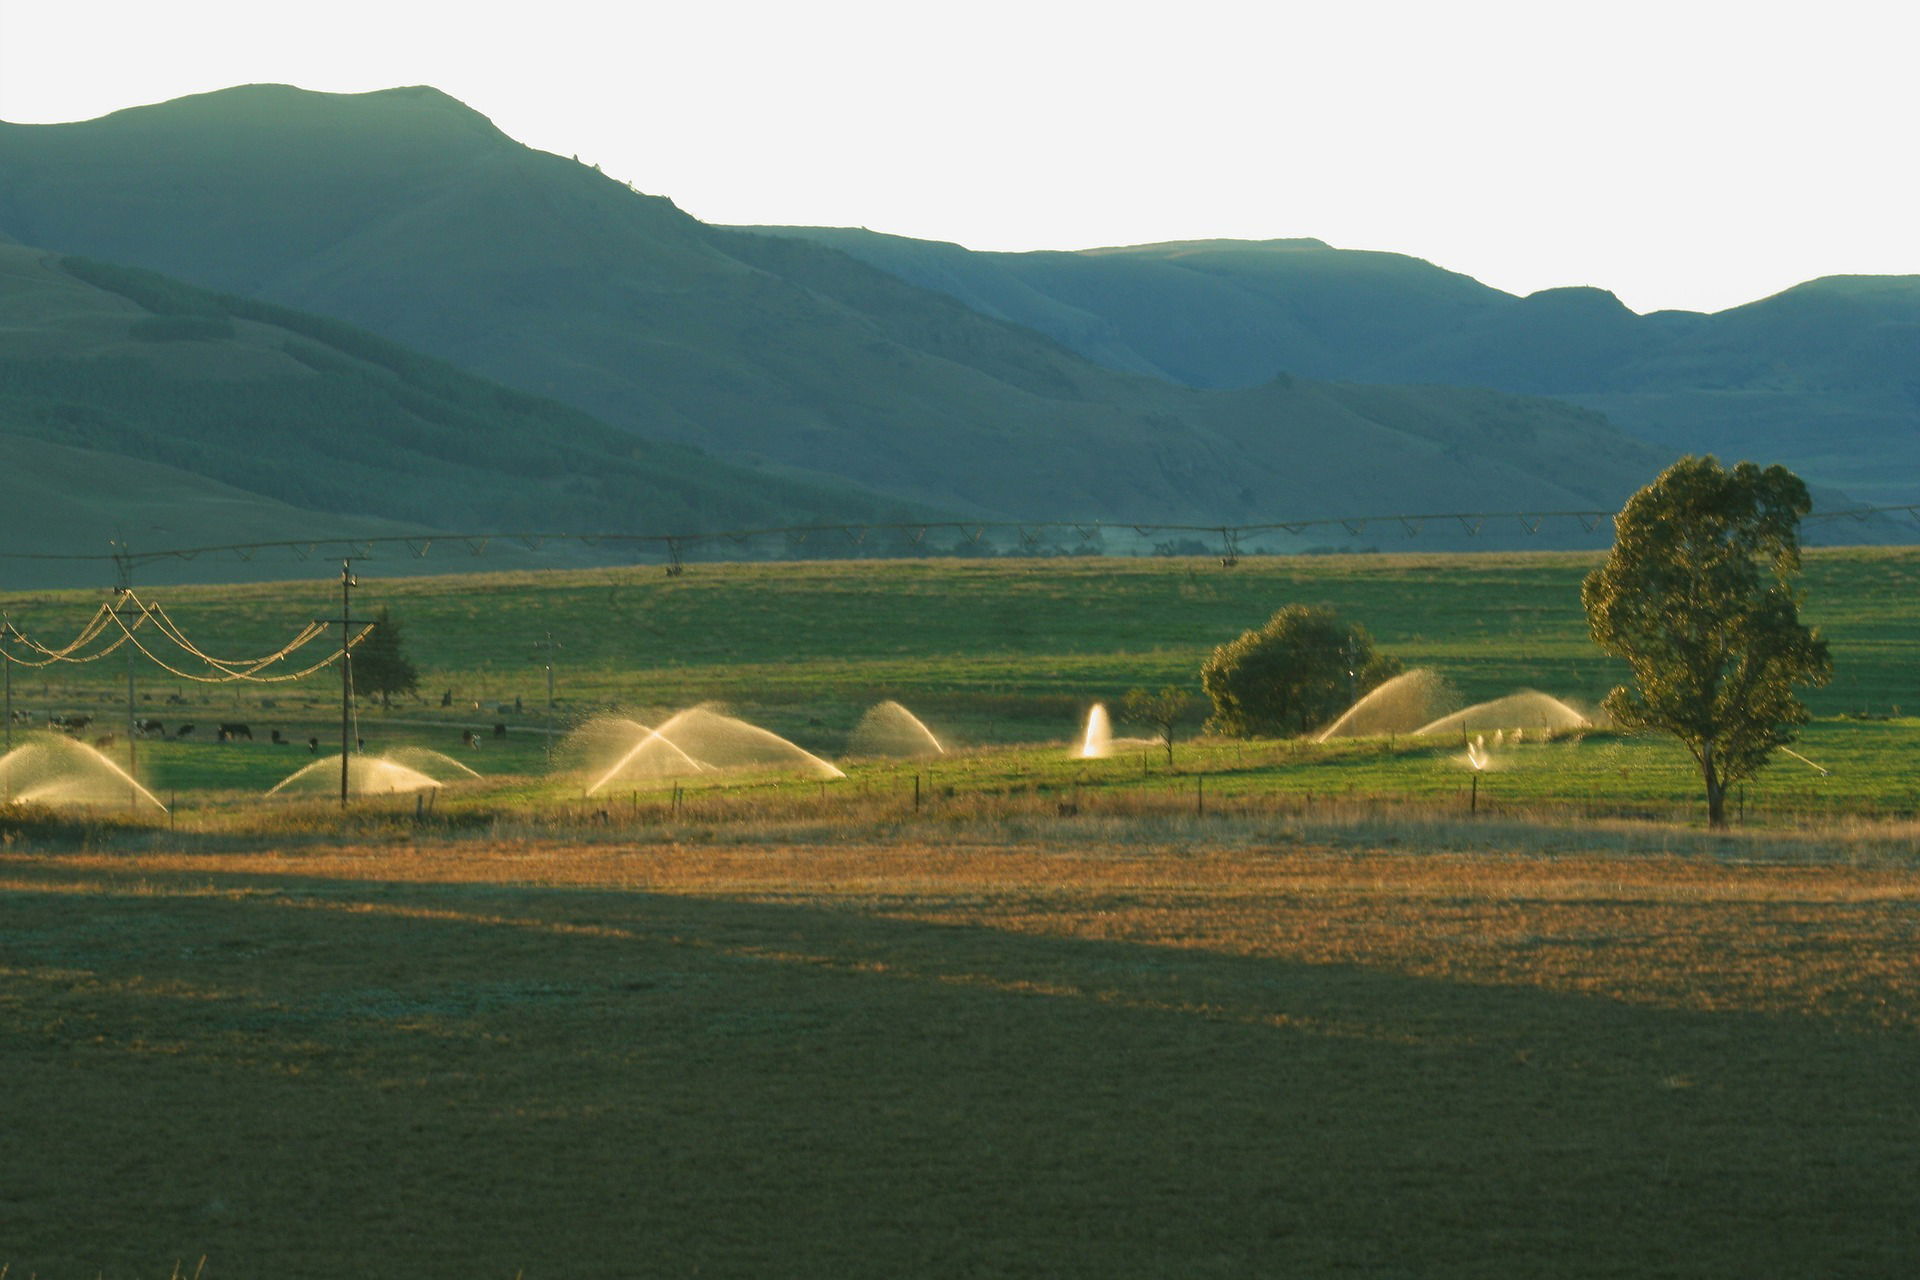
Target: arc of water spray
[[652, 735], [96, 756], [1819, 769]]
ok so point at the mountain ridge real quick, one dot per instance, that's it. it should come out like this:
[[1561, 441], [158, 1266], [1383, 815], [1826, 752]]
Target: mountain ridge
[[432, 229], [1752, 380]]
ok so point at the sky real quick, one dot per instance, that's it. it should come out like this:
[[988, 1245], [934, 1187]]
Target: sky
[[1682, 154]]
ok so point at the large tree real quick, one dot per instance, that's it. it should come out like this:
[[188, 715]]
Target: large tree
[[1698, 597], [1300, 670]]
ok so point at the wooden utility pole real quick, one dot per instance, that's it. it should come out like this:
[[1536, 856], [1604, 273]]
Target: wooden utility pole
[[347, 583], [123, 596], [550, 647], [6, 660]]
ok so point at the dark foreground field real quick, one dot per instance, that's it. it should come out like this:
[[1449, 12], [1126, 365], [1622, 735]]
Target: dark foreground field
[[1069, 1057]]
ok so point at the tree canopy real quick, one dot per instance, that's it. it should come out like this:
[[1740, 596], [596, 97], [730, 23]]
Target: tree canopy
[[1301, 669], [381, 667], [1697, 596], [1163, 710]]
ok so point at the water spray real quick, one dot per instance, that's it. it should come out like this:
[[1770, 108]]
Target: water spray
[[1479, 758], [1097, 740], [1819, 769]]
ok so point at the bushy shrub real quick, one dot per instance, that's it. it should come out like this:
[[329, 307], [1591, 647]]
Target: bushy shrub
[[1300, 670]]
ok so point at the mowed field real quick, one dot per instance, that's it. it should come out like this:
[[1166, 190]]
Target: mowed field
[[1275, 1010], [958, 1058]]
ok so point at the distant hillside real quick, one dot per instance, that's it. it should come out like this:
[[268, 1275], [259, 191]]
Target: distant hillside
[[57, 501], [299, 410], [409, 214], [1821, 376]]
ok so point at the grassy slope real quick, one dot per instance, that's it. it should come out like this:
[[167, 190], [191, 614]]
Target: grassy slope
[[59, 500], [407, 213], [1820, 374], [315, 413], [1817, 376], [1207, 313]]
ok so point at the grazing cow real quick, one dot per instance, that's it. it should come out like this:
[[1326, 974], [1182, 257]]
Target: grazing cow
[[183, 731], [468, 738], [499, 730], [232, 730], [278, 741], [175, 700], [149, 728], [313, 746], [68, 724]]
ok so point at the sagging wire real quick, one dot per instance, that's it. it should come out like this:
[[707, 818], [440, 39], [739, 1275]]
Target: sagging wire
[[239, 667], [88, 633], [229, 676], [108, 617], [91, 632], [171, 629]]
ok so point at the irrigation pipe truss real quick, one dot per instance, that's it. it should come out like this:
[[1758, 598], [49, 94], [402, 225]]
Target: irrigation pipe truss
[[113, 616], [1030, 535]]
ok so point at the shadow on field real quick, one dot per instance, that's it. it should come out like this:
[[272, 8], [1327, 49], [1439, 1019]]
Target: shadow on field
[[310, 1077]]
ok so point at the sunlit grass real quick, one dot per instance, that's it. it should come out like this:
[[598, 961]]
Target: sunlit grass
[[1273, 1009], [814, 1059]]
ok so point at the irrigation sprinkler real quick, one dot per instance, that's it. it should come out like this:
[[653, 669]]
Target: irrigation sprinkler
[[1478, 758]]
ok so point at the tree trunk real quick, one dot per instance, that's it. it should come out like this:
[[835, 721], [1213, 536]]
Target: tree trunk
[[1716, 794]]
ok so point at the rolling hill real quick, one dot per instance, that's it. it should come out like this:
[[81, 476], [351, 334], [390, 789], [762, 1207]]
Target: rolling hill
[[408, 214], [1820, 376], [215, 419]]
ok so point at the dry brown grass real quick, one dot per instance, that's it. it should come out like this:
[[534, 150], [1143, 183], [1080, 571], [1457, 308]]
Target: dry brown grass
[[1205, 1051]]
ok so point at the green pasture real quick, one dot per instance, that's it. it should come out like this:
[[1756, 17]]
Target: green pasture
[[1063, 1059], [1000, 657]]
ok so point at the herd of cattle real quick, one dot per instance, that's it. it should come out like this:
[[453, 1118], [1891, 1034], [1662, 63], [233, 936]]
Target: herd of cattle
[[76, 726]]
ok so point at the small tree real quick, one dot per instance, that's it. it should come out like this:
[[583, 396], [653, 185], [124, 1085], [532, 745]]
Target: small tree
[[1163, 710], [381, 667], [1301, 669], [1697, 596]]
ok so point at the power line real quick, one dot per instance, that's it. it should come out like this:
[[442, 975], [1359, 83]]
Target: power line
[[224, 671]]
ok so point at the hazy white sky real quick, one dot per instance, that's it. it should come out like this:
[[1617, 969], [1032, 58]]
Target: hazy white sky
[[1683, 153]]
